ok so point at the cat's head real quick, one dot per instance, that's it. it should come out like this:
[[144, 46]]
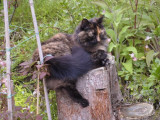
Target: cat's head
[[91, 32]]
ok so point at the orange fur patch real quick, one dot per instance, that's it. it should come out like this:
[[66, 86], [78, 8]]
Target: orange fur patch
[[98, 31]]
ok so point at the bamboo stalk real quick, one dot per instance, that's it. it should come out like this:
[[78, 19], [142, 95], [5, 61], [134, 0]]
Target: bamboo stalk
[[41, 56], [8, 61]]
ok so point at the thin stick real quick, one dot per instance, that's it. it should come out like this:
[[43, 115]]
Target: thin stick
[[41, 56], [15, 6], [131, 5], [8, 61], [38, 93], [135, 18]]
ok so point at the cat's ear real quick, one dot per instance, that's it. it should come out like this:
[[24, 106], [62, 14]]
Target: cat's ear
[[100, 19], [85, 24]]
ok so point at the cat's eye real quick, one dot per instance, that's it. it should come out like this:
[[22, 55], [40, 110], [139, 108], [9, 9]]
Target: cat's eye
[[100, 26]]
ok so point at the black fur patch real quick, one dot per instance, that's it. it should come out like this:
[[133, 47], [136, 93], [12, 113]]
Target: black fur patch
[[72, 66]]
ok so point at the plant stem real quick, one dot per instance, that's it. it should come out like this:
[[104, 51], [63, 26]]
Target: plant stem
[[141, 16], [135, 18], [131, 5], [38, 91], [15, 6]]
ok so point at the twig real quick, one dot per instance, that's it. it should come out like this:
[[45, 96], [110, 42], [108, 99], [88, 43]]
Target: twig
[[41, 56], [131, 5], [135, 18], [15, 6], [38, 92], [8, 61]]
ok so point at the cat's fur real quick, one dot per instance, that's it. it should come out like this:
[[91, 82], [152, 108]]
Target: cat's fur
[[74, 55]]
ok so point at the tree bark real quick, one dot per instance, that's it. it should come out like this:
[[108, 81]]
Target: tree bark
[[94, 86], [116, 95]]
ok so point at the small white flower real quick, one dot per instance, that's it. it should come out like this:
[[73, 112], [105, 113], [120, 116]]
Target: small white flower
[[132, 55], [4, 81], [2, 63], [146, 46], [22, 92], [134, 59], [108, 40], [35, 92], [4, 90], [28, 108], [147, 38]]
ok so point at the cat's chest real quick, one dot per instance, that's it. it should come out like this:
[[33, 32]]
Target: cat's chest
[[100, 46]]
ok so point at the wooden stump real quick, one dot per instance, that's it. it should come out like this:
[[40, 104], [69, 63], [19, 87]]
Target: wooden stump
[[140, 111], [95, 87], [101, 87], [116, 95]]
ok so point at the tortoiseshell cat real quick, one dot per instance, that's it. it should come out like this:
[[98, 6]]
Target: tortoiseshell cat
[[74, 55]]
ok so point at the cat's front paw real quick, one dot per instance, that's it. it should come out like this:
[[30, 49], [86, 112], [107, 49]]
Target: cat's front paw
[[101, 54], [84, 103], [103, 57], [105, 62]]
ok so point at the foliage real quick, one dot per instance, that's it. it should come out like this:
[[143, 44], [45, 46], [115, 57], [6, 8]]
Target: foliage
[[132, 25], [19, 112]]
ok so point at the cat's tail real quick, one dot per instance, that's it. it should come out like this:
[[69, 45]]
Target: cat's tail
[[72, 66]]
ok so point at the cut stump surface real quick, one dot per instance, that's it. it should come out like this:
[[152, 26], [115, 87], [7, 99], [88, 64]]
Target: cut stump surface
[[141, 111]]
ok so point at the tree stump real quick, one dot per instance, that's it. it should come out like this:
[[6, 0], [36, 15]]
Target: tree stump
[[116, 95], [101, 87], [95, 87], [140, 111]]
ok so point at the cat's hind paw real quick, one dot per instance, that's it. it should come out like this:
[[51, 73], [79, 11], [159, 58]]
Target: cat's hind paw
[[84, 103]]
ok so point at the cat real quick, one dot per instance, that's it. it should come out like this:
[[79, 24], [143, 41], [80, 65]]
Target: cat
[[73, 55]]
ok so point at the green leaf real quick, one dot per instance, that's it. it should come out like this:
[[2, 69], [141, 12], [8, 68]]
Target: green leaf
[[137, 41], [128, 66], [108, 15], [118, 20], [132, 49], [121, 34], [112, 35], [157, 31], [111, 46], [140, 55], [149, 57], [101, 4]]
